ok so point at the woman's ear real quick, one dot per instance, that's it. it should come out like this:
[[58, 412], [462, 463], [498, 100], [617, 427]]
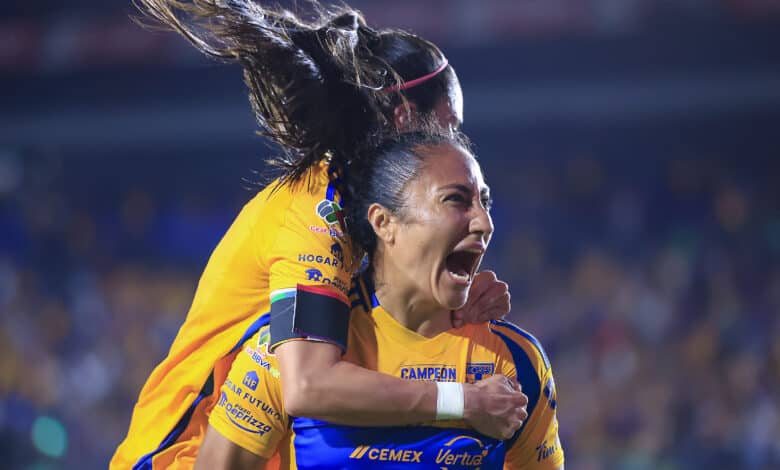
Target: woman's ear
[[381, 219], [404, 116]]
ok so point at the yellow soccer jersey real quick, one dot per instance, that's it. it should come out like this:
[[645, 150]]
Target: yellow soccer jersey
[[249, 411], [285, 249]]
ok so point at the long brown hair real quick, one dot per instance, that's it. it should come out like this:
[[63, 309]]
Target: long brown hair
[[316, 86]]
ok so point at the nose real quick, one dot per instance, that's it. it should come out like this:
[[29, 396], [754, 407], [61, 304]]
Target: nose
[[481, 223]]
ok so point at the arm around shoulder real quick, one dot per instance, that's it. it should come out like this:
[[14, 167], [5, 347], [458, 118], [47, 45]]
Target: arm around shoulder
[[317, 383]]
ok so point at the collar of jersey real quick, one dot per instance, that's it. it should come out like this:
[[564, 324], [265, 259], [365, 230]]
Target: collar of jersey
[[388, 326]]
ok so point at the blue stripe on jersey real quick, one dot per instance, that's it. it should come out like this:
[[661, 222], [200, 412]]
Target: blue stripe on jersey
[[145, 462], [527, 336], [330, 192], [370, 290], [321, 445], [526, 375], [361, 294], [253, 328], [334, 182]]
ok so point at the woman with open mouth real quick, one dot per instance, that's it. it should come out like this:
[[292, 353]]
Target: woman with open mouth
[[420, 210]]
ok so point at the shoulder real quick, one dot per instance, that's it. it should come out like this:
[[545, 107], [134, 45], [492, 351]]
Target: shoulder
[[300, 217], [529, 364], [317, 183], [313, 186], [522, 345], [522, 356], [313, 201]]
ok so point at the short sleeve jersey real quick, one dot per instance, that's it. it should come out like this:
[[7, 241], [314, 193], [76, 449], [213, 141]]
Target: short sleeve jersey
[[285, 252], [252, 394]]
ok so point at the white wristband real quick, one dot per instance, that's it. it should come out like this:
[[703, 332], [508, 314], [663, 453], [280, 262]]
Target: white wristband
[[449, 400]]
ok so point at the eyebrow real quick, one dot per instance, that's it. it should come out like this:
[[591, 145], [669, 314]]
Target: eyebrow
[[466, 189], [458, 186]]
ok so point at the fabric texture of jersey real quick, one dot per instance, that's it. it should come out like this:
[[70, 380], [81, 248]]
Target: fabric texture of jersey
[[377, 341], [287, 238], [250, 409]]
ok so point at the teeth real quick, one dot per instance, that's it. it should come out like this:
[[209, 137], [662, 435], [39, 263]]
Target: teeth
[[464, 262], [464, 277]]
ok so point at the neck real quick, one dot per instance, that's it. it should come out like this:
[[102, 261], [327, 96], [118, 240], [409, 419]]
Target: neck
[[402, 300]]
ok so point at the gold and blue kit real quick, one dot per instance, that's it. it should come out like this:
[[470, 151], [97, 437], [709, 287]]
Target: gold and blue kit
[[285, 252], [250, 410]]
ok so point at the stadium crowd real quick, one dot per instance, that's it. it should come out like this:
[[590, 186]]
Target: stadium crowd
[[654, 285]]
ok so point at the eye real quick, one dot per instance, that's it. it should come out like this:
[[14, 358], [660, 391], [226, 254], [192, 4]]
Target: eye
[[455, 197], [487, 202]]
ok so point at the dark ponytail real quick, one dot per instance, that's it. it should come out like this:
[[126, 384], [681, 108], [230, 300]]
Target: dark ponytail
[[315, 86]]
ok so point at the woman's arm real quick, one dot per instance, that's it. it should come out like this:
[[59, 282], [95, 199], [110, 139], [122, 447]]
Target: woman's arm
[[316, 383]]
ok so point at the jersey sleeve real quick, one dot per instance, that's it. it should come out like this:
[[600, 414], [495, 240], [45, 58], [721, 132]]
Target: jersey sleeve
[[309, 272], [538, 445], [250, 410]]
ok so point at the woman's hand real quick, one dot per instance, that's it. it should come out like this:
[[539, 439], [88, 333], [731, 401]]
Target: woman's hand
[[495, 406], [488, 300]]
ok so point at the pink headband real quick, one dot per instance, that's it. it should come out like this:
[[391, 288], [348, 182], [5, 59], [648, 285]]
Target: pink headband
[[418, 81]]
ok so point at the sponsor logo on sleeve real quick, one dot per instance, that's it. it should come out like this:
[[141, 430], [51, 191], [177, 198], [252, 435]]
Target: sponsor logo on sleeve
[[243, 412], [476, 371], [263, 340], [323, 260], [313, 275], [333, 215], [242, 417], [543, 451], [331, 212], [317, 276], [259, 356], [332, 231], [251, 380]]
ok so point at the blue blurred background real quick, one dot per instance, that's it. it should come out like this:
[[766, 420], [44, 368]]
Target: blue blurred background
[[632, 146]]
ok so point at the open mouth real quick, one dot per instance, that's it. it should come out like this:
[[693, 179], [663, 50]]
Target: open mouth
[[462, 264]]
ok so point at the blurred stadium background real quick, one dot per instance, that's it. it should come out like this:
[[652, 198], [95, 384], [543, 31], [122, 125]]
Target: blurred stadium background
[[632, 146]]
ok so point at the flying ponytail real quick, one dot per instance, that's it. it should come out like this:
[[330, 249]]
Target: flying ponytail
[[315, 86]]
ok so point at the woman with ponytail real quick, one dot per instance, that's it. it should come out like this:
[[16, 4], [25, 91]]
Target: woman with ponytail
[[420, 210], [318, 89]]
